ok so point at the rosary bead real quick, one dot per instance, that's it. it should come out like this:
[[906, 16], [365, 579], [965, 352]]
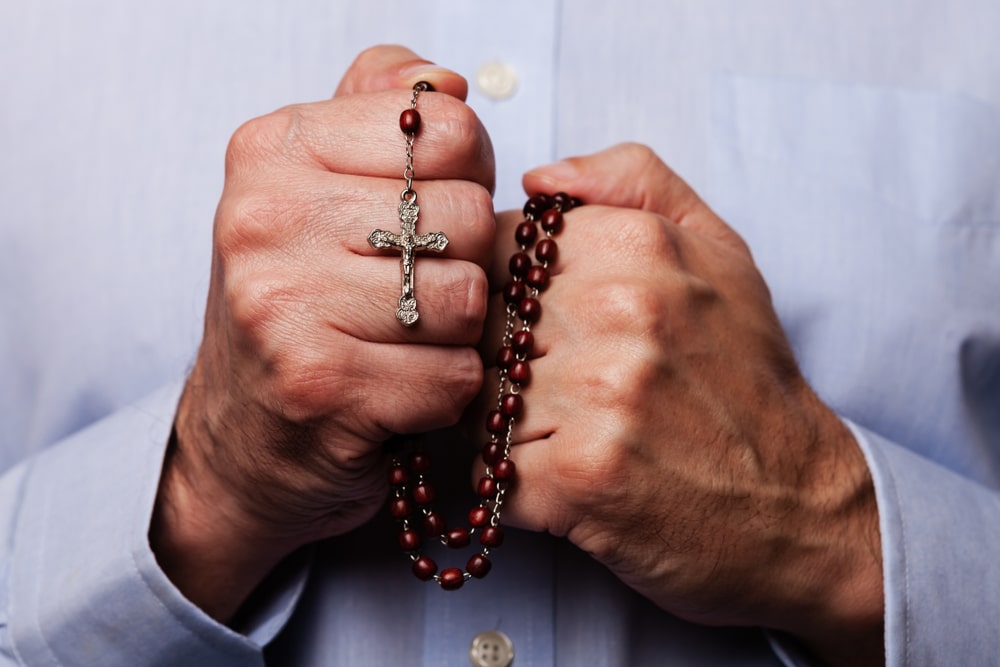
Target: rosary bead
[[409, 121], [492, 536], [451, 579], [537, 277], [400, 508], [519, 372], [409, 540], [506, 357], [563, 201], [529, 309], [519, 264], [420, 463], [487, 487], [526, 233], [576, 202], [433, 525], [479, 566], [536, 205], [523, 341], [479, 517], [511, 405], [552, 221], [424, 568], [423, 494], [496, 422], [546, 251], [398, 475], [423, 87], [492, 453], [457, 538], [504, 469], [514, 291]]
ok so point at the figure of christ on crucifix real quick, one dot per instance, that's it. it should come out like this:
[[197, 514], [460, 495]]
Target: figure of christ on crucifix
[[408, 241]]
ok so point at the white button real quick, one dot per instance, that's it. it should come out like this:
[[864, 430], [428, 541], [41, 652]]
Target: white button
[[491, 648], [497, 80]]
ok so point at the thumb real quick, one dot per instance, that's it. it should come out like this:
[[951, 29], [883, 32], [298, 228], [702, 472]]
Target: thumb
[[631, 176], [390, 66]]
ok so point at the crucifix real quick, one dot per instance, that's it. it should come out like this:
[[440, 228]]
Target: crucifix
[[408, 241]]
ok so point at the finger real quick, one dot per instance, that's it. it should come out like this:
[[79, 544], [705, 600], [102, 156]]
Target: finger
[[323, 213], [631, 176], [451, 301], [360, 134], [385, 67], [405, 388]]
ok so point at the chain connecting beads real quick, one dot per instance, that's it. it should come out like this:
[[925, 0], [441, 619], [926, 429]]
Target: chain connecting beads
[[412, 493]]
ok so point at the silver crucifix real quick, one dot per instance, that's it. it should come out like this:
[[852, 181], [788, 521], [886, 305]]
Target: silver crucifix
[[408, 241]]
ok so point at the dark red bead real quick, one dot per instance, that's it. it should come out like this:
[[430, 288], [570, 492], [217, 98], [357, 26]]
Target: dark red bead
[[537, 277], [496, 422], [457, 538], [479, 517], [409, 540], [529, 309], [424, 568], [400, 508], [519, 372], [423, 86], [451, 579], [523, 342], [492, 453], [576, 202], [409, 121], [552, 221], [398, 475], [514, 291], [506, 357], [492, 536], [434, 524], [519, 264], [526, 233], [546, 251], [420, 462], [504, 470], [536, 205], [511, 405], [423, 494], [479, 566], [563, 201], [487, 487]]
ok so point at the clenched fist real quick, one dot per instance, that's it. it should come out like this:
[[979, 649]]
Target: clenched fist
[[304, 370], [668, 431]]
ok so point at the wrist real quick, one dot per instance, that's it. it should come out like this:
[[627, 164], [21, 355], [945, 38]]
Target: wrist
[[212, 551], [831, 570]]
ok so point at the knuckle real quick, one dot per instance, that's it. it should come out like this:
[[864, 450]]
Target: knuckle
[[631, 307], [467, 298], [252, 219], [645, 237], [260, 138], [253, 305]]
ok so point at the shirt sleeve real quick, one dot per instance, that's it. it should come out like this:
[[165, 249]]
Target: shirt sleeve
[[79, 584], [941, 561]]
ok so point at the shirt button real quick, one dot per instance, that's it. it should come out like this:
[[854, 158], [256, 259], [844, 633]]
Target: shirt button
[[491, 648], [497, 80]]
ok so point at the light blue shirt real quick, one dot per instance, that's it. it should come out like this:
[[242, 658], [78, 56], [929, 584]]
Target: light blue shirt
[[855, 145]]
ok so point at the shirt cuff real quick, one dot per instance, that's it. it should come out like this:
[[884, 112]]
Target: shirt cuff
[[939, 553], [84, 586]]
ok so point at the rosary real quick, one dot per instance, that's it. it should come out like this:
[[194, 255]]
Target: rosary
[[412, 494]]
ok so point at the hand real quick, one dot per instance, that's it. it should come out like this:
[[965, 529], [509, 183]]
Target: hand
[[668, 431], [304, 371]]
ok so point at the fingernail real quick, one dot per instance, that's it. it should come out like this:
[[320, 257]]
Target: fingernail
[[421, 71]]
